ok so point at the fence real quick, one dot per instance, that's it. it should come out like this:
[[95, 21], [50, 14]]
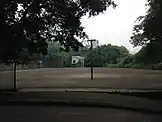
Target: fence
[[7, 71], [40, 64], [6, 76]]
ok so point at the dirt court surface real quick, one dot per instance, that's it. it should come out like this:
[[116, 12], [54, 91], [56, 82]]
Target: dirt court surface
[[80, 78]]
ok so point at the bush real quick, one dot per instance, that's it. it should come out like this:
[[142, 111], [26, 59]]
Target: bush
[[112, 66], [140, 66], [136, 66], [130, 65], [159, 66], [76, 65], [120, 65]]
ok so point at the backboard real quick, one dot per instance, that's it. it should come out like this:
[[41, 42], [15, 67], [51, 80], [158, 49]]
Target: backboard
[[87, 44]]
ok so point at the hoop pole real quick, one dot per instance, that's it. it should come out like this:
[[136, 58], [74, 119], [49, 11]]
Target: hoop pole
[[91, 48], [14, 69], [91, 60]]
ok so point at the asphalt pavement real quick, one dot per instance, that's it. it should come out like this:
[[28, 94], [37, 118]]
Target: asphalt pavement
[[80, 106], [24, 113]]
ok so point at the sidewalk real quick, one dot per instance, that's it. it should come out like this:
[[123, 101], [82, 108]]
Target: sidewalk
[[82, 97], [96, 90]]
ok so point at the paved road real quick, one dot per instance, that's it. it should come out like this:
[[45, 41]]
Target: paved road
[[71, 114]]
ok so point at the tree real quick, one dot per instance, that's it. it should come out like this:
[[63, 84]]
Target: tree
[[148, 32], [54, 57], [140, 57], [26, 24], [127, 62], [105, 55]]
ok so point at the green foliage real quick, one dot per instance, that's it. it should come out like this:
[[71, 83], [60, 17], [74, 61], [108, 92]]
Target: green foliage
[[54, 55], [148, 31], [106, 54], [26, 29], [103, 56], [159, 66], [76, 65], [139, 66], [127, 62], [112, 66]]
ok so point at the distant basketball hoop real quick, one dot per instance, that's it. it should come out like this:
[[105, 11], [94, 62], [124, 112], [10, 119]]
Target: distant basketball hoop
[[90, 45], [87, 44], [78, 59]]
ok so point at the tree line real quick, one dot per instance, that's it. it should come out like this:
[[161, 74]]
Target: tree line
[[147, 33], [27, 25], [103, 56]]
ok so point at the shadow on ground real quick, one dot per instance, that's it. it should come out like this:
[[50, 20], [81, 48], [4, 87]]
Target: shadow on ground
[[137, 102]]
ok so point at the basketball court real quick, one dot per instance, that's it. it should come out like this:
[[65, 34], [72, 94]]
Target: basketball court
[[80, 78]]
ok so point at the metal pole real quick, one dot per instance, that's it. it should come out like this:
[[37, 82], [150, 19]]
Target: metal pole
[[91, 59], [91, 48], [14, 69]]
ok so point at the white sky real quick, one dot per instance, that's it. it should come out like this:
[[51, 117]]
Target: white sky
[[115, 26]]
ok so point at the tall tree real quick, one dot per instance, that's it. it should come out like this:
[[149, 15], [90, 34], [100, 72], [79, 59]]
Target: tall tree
[[106, 54], [148, 31], [26, 24]]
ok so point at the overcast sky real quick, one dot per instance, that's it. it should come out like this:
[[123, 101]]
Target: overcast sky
[[115, 25]]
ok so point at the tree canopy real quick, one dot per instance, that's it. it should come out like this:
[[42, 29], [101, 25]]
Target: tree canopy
[[103, 55], [25, 25], [109, 56], [148, 32]]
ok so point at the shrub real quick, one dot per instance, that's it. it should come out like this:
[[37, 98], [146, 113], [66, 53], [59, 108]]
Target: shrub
[[138, 66], [76, 65], [159, 66], [120, 64], [130, 65], [112, 66]]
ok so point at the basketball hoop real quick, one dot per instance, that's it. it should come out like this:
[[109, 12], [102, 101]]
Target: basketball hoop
[[87, 44]]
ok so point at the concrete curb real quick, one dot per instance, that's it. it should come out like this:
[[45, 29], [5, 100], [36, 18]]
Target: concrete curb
[[89, 90]]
